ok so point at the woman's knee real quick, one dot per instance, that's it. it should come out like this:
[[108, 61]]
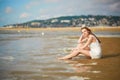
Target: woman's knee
[[85, 52], [76, 52], [87, 48], [80, 45]]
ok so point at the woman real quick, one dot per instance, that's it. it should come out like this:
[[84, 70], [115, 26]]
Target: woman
[[88, 44]]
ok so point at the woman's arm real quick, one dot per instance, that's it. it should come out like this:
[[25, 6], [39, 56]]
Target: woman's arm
[[88, 42], [81, 39]]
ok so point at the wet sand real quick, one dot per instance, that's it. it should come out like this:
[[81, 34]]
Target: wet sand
[[110, 62], [38, 61], [106, 68]]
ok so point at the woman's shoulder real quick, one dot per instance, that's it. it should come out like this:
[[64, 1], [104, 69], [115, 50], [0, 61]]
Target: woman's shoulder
[[91, 36]]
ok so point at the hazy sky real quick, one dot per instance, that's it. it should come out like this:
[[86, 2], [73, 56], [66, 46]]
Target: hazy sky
[[17, 11]]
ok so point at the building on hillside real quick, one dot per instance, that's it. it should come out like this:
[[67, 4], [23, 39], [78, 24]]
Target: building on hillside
[[54, 20], [65, 21], [35, 23]]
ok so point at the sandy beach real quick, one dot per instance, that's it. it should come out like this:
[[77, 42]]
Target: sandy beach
[[100, 28], [27, 54]]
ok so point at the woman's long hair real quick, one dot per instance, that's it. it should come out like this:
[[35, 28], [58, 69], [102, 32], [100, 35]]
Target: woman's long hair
[[90, 32]]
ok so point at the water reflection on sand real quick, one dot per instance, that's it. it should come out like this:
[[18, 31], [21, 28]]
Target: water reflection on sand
[[33, 55]]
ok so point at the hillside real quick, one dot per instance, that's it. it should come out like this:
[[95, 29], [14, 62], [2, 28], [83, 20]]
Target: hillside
[[65, 21]]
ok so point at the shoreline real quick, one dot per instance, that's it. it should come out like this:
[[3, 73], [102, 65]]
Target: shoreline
[[34, 54], [102, 28]]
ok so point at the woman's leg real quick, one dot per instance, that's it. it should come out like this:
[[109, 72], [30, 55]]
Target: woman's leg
[[85, 52], [72, 54], [81, 45], [76, 52]]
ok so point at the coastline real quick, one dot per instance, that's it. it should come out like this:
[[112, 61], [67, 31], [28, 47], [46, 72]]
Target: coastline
[[101, 28]]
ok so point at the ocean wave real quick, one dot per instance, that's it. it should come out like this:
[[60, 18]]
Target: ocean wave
[[78, 78], [10, 58]]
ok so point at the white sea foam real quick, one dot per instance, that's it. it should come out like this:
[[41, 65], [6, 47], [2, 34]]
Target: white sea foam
[[10, 58], [96, 71], [81, 64], [78, 78], [42, 33], [93, 63]]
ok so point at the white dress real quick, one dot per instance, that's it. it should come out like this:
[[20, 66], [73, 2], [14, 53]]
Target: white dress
[[95, 50]]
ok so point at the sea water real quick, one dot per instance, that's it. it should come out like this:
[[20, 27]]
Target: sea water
[[32, 55]]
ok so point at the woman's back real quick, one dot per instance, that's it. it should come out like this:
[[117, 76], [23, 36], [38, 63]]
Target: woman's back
[[95, 48]]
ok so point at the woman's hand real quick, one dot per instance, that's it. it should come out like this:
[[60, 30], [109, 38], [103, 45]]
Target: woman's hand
[[82, 39]]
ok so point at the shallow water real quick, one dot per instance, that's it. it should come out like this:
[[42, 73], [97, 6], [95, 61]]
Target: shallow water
[[32, 55]]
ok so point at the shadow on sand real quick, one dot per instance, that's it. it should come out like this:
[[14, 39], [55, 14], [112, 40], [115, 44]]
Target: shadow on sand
[[110, 55]]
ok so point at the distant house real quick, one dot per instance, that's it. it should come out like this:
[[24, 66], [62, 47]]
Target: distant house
[[9, 26], [54, 20], [65, 21], [91, 19], [35, 23], [81, 19]]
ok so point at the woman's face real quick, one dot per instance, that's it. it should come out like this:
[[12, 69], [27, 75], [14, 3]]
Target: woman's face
[[85, 32]]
